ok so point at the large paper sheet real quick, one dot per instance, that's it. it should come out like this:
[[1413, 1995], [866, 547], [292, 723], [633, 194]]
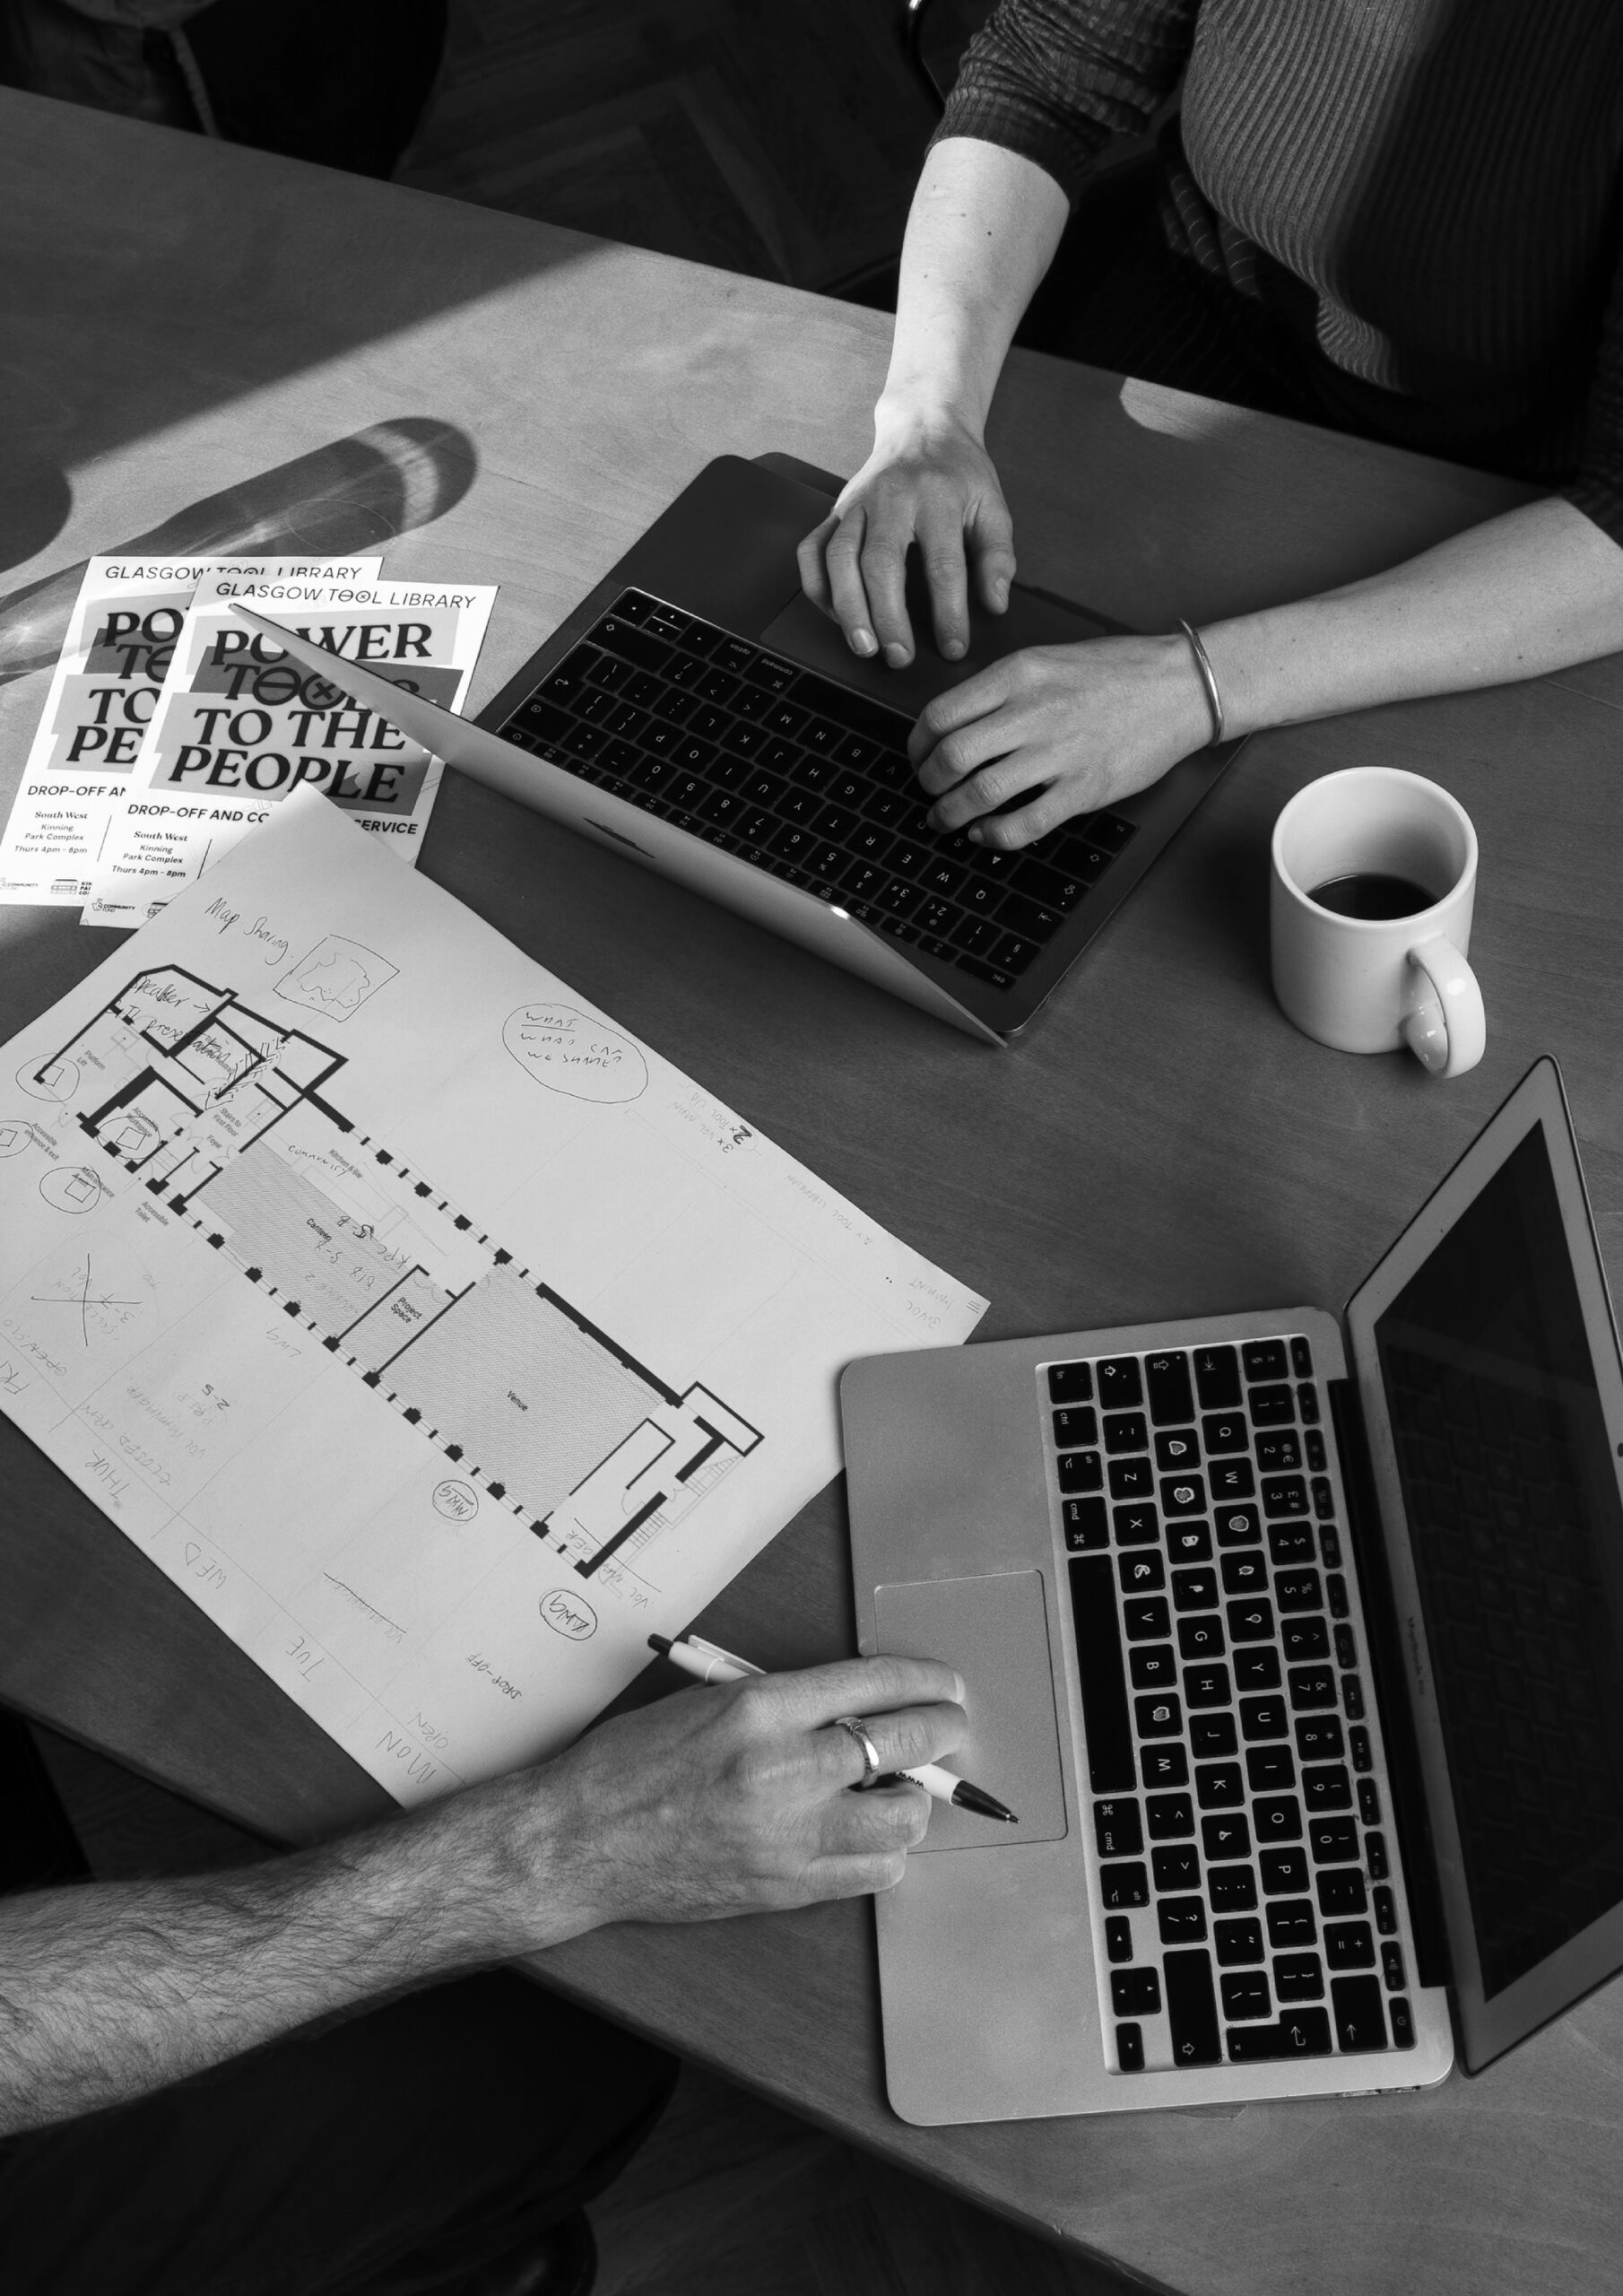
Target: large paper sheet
[[439, 1339], [103, 691], [239, 726]]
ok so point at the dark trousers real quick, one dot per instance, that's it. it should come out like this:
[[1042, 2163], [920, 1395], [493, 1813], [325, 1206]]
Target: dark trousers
[[383, 2156]]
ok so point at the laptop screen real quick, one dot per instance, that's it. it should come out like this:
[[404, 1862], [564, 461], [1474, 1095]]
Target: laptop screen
[[1505, 1461]]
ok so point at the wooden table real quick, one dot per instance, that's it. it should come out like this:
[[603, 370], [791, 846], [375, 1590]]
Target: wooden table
[[183, 316]]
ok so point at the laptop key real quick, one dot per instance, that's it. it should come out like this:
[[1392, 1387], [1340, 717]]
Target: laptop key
[[1246, 1995], [1183, 1495], [1292, 1922], [1125, 1431], [1264, 1359], [1192, 2007], [1237, 1942], [1304, 1638], [1340, 1890], [1385, 1908], [1153, 1667], [1194, 1590], [1270, 1769], [1103, 1681], [1163, 1766], [1263, 1718], [1231, 1479], [1298, 1977], [1139, 1573], [1132, 1478], [1375, 1856], [1297, 1590], [1166, 1375], [1071, 1383], [1335, 1841], [1118, 1828], [1218, 1785], [1135, 1992], [1299, 2032], [1232, 1889], [1147, 1618], [1256, 1668], [1123, 1886], [1269, 1406], [1175, 1867], [1086, 1527], [1225, 1836], [1200, 1638], [1251, 1621], [1311, 1687], [1278, 1817], [1291, 1543], [1238, 1527], [1118, 1937], [1217, 1377], [1130, 2047], [1212, 1736], [1181, 1921], [1170, 1817], [1207, 1686], [1225, 1431], [1355, 2006], [1284, 1872], [1403, 2024], [1120, 1386]]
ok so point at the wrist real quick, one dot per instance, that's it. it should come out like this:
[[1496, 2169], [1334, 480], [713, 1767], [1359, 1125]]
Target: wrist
[[922, 415]]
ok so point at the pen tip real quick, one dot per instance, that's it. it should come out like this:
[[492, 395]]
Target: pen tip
[[660, 1642]]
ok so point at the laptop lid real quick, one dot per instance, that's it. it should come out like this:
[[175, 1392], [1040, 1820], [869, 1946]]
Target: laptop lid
[[1487, 1359]]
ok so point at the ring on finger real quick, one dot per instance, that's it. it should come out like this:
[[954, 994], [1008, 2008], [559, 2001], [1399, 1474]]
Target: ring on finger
[[857, 1729]]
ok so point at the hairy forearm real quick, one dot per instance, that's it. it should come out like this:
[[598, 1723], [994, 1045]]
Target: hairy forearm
[[1531, 591], [109, 1990], [982, 232]]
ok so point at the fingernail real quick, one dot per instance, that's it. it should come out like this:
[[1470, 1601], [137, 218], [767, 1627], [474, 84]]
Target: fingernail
[[953, 649], [898, 656], [960, 1693], [974, 837], [864, 641], [1001, 592]]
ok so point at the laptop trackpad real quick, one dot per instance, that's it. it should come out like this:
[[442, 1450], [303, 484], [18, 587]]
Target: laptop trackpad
[[995, 1632]]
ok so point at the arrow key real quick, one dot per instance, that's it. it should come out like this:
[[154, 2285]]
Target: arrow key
[[1356, 2005]]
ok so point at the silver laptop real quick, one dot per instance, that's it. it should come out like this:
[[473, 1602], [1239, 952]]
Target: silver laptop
[[697, 715], [1296, 1645]]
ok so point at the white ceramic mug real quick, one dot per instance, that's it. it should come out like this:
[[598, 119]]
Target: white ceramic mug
[[1369, 985]]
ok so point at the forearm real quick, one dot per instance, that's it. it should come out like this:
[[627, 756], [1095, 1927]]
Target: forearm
[[982, 232], [109, 1990], [1520, 594]]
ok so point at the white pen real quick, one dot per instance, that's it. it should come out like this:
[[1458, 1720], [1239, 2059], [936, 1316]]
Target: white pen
[[709, 1663]]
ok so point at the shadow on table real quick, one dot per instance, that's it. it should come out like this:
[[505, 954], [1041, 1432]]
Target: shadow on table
[[347, 496]]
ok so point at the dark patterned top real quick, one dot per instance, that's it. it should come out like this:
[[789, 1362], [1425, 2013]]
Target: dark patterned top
[[1417, 199]]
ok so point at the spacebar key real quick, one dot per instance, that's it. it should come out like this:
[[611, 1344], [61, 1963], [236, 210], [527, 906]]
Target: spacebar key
[[1104, 1681], [1192, 2008]]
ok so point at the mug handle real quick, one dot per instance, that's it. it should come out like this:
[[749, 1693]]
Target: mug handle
[[1444, 1023]]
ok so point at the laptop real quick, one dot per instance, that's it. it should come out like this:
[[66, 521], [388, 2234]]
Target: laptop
[[697, 714], [1296, 1643]]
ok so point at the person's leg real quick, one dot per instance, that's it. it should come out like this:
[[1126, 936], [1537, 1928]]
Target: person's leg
[[379, 2157]]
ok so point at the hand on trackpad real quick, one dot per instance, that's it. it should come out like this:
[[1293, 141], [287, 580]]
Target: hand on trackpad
[[995, 1630]]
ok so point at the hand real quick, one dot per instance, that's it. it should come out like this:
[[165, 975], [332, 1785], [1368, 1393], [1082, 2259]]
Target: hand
[[933, 484], [732, 1798], [1071, 726]]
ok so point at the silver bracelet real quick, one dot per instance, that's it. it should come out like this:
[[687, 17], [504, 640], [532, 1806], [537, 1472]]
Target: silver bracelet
[[1214, 699]]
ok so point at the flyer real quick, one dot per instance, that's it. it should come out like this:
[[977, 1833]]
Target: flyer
[[239, 727], [103, 692]]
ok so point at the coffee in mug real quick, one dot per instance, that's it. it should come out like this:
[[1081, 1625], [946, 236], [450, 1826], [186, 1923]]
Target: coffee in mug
[[1374, 884]]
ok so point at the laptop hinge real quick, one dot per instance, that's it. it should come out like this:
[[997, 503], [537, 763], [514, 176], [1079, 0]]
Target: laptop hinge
[[1402, 1751]]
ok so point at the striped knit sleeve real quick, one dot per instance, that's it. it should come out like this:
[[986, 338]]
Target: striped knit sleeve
[[1055, 80], [1597, 488]]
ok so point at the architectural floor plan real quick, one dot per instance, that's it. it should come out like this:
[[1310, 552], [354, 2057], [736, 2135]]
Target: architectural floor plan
[[232, 1119], [433, 1335]]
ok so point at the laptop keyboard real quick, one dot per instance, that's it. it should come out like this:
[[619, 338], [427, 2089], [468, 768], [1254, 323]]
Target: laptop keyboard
[[1239, 1796], [802, 779]]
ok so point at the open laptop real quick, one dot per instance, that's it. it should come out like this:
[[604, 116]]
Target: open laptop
[[696, 713], [1296, 1645]]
